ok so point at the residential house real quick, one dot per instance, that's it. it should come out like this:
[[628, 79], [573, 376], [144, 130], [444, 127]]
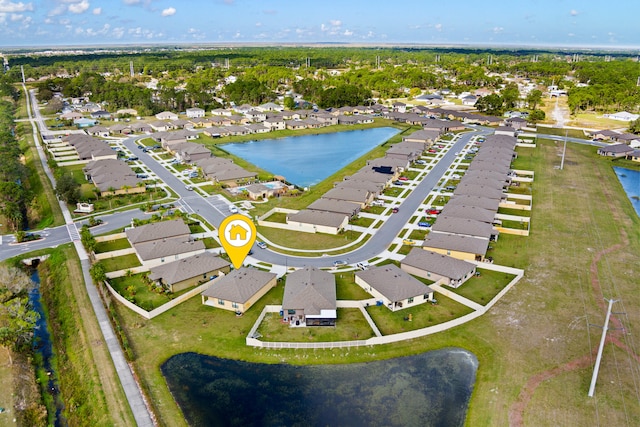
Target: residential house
[[616, 150], [194, 112], [191, 271], [239, 290], [355, 195], [393, 287], [111, 176], [438, 267], [312, 221], [160, 242], [224, 171], [427, 137], [99, 131], [336, 206], [275, 123], [461, 247], [190, 152], [261, 191], [101, 115], [167, 115], [310, 298]]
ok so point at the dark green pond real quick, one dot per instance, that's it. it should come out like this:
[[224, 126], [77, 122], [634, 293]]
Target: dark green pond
[[429, 389]]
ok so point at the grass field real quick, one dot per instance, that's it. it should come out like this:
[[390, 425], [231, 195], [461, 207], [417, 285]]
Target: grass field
[[538, 330]]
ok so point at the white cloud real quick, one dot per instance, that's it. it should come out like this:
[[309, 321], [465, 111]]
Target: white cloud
[[333, 28], [169, 11], [571, 34], [573, 12], [7, 6], [80, 7], [118, 32], [258, 24], [497, 30], [438, 27], [347, 33], [129, 2], [97, 11]]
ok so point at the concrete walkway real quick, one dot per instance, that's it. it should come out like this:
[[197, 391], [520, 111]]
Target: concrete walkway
[[132, 391]]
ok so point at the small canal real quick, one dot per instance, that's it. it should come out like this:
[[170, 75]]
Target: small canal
[[43, 350], [428, 389]]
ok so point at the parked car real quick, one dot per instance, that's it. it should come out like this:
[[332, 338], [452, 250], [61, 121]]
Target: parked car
[[339, 263], [433, 151], [395, 210], [362, 265], [420, 162], [398, 183], [403, 178], [433, 211], [233, 209], [188, 187], [424, 224], [140, 147], [409, 242], [377, 203], [262, 245]]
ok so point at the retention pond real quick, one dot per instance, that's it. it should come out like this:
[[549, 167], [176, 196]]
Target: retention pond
[[429, 389], [308, 159], [630, 180]]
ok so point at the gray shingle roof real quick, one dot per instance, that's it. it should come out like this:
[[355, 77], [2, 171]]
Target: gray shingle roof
[[468, 227], [467, 244], [188, 268], [436, 263], [393, 283], [239, 285], [157, 230], [310, 289], [314, 217]]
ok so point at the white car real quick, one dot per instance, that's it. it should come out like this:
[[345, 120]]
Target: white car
[[262, 245], [233, 209]]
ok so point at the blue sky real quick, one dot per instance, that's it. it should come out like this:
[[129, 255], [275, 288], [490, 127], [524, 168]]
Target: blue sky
[[544, 23]]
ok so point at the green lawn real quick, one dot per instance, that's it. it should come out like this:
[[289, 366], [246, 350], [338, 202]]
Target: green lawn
[[300, 240], [346, 288], [362, 221], [423, 315], [350, 325], [481, 289], [123, 262], [137, 291], [210, 243], [112, 245]]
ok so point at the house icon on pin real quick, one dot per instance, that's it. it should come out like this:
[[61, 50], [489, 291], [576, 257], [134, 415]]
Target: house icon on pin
[[238, 232]]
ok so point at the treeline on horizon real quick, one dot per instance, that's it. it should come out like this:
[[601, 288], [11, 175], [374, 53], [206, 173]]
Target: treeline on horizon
[[600, 81]]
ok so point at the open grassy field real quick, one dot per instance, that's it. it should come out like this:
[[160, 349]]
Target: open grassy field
[[534, 347]]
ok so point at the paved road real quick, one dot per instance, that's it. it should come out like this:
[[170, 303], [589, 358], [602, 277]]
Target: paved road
[[133, 393]]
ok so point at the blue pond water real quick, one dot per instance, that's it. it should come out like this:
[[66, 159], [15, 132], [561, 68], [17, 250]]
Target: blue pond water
[[429, 389], [308, 159], [630, 180]]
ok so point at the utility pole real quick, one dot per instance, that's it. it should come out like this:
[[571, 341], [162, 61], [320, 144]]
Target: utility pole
[[596, 368], [564, 150]]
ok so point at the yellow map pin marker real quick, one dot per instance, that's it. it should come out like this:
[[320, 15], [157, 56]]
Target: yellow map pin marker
[[237, 235]]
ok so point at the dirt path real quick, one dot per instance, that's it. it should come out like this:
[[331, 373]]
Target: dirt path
[[516, 413]]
